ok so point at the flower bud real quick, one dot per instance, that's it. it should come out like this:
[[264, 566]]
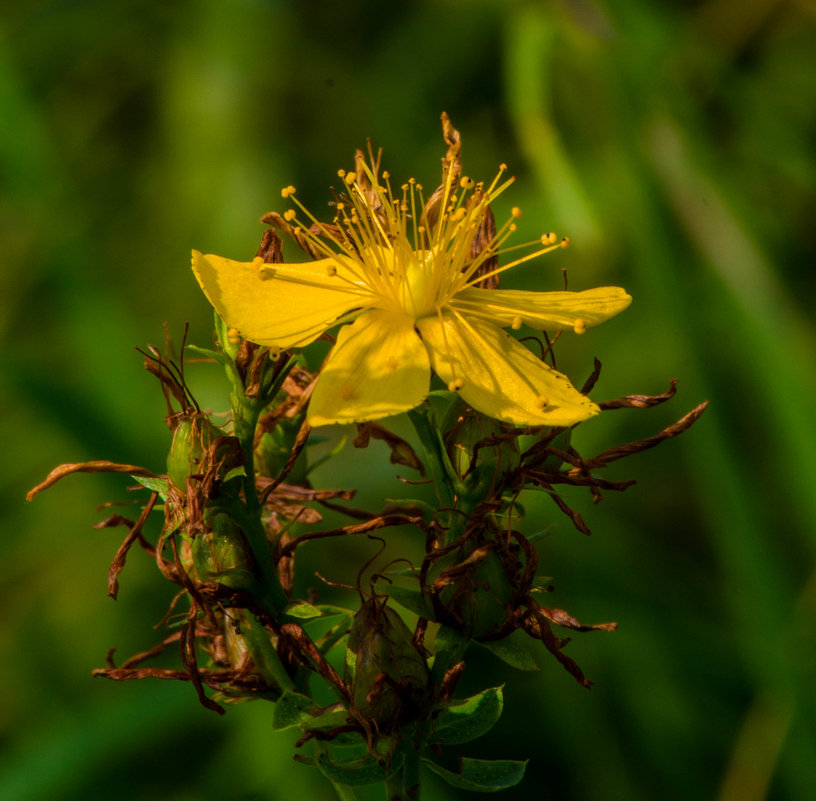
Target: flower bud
[[474, 589], [391, 675]]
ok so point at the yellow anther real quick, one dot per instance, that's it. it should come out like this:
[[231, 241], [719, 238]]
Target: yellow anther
[[456, 385], [516, 324], [233, 336], [341, 173], [412, 180], [404, 187], [516, 212], [502, 167], [420, 229], [350, 178], [419, 187], [386, 174], [459, 214], [579, 326], [289, 215], [287, 191], [341, 206], [465, 182], [565, 242], [512, 227]]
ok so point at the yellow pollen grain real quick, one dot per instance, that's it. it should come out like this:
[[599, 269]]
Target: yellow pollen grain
[[456, 385], [579, 326], [516, 324], [289, 215]]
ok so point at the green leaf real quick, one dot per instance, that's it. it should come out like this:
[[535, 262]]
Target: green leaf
[[291, 710], [465, 720], [302, 610], [482, 775], [207, 353], [155, 484], [240, 470], [357, 772], [412, 600], [513, 650]]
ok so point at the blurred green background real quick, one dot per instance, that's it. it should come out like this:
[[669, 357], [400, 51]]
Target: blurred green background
[[673, 142]]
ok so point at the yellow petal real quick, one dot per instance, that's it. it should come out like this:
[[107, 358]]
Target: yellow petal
[[378, 367], [543, 310], [498, 376], [279, 304]]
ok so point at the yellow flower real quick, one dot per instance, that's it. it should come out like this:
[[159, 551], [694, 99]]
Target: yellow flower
[[401, 276]]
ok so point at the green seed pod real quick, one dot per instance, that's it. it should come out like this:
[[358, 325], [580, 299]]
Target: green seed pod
[[474, 589], [391, 675], [479, 448], [191, 440], [219, 552]]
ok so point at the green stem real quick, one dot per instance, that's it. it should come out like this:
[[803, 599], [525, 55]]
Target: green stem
[[264, 654], [393, 787], [343, 793], [449, 489], [411, 776]]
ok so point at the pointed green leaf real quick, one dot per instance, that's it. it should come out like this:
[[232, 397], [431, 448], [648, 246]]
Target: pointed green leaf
[[357, 772], [207, 353], [291, 710], [465, 720], [513, 650], [302, 610], [482, 775], [158, 485]]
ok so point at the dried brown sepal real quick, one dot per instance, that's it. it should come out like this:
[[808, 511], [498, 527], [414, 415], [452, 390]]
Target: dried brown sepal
[[271, 248], [536, 624], [637, 401], [401, 451], [589, 384], [383, 521], [295, 641], [121, 554], [297, 235], [99, 466], [629, 448]]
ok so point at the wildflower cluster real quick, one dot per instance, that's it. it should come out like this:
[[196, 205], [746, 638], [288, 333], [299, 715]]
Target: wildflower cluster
[[412, 285]]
